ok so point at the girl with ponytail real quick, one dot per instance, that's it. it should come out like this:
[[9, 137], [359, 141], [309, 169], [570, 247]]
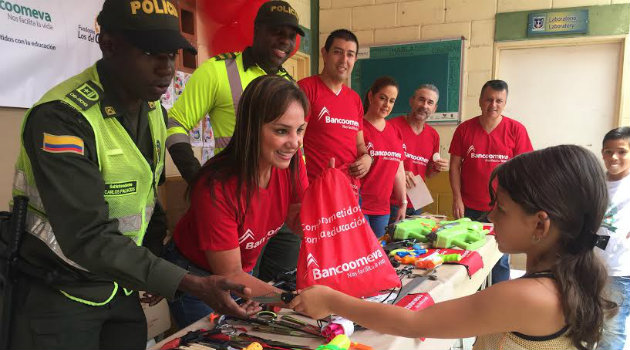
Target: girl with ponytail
[[547, 204]]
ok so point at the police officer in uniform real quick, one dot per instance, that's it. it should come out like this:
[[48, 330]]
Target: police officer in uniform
[[215, 89], [92, 153], [216, 86]]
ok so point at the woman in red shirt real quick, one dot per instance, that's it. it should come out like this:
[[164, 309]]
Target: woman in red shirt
[[245, 194], [385, 146]]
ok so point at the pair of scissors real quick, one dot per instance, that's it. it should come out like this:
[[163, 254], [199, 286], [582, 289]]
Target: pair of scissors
[[275, 297], [268, 322]]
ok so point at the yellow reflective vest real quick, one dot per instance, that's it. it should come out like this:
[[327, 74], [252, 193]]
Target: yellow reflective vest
[[213, 89], [130, 183]]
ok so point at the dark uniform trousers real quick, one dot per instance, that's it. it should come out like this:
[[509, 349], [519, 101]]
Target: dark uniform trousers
[[61, 323]]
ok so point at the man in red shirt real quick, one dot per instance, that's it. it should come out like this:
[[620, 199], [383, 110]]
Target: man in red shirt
[[335, 120], [479, 145], [420, 141]]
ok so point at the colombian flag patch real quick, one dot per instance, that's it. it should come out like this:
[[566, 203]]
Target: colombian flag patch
[[62, 144]]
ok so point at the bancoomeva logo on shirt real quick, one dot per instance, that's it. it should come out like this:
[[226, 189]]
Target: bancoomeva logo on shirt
[[342, 122], [351, 267], [498, 157], [390, 154], [249, 235], [416, 158]]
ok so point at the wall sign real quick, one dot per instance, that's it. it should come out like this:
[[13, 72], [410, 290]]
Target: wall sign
[[42, 44], [557, 22]]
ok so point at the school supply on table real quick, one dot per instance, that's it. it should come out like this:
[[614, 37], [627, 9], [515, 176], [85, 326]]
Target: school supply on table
[[216, 339], [342, 342], [271, 298], [336, 326], [429, 261], [470, 259], [269, 322]]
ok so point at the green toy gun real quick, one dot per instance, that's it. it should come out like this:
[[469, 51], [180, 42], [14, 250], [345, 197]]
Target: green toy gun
[[462, 233], [417, 228]]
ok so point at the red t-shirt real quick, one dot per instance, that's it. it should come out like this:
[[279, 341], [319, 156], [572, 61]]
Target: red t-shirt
[[386, 148], [419, 148], [211, 224], [333, 123], [481, 152]]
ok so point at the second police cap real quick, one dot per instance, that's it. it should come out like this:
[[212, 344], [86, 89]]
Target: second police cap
[[278, 13]]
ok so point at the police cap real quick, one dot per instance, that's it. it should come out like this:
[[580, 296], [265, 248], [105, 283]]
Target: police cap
[[278, 13], [150, 25]]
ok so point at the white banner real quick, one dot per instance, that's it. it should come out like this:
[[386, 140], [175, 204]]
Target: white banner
[[42, 43]]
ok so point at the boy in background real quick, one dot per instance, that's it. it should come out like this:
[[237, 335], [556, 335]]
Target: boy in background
[[616, 224]]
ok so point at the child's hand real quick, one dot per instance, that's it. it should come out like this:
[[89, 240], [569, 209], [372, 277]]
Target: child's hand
[[313, 301]]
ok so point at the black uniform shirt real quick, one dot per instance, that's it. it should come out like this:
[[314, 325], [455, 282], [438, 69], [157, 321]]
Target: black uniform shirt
[[71, 188]]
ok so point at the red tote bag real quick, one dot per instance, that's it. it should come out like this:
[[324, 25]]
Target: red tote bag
[[339, 249]]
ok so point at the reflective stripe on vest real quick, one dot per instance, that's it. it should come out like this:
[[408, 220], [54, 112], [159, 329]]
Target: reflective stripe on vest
[[132, 223], [234, 78], [20, 184], [41, 229], [236, 89], [176, 138]]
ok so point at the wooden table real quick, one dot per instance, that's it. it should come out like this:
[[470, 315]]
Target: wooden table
[[452, 282]]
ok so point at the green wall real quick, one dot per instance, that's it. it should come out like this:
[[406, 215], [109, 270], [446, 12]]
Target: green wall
[[603, 20]]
